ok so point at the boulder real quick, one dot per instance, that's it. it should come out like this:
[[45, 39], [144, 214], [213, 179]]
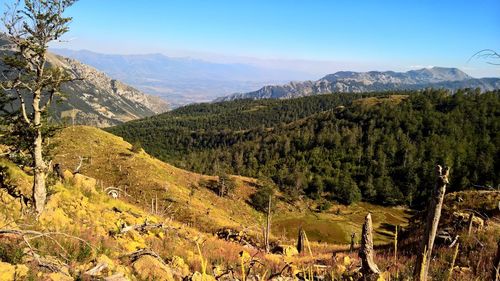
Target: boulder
[[290, 251], [86, 184], [179, 267], [9, 271], [57, 276], [285, 250], [150, 268], [67, 176]]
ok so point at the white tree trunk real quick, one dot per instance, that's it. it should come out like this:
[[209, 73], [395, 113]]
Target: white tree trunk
[[368, 265], [434, 213], [268, 226], [39, 190]]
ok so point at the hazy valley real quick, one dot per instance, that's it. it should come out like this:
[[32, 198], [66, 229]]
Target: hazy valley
[[182, 81]]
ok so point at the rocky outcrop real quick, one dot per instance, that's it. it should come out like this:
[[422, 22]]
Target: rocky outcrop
[[100, 100], [94, 98]]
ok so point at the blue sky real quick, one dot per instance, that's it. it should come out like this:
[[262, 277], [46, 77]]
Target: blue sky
[[315, 35]]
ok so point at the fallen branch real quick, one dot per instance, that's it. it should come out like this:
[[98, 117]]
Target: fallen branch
[[77, 169], [38, 234], [41, 261], [96, 270], [140, 227], [28, 235]]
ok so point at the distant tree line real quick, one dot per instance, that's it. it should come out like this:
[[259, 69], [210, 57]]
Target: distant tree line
[[380, 150]]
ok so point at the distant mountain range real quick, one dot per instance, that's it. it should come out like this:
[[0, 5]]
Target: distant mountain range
[[96, 100], [183, 80], [357, 82]]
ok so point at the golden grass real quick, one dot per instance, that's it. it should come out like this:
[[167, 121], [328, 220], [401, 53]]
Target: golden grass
[[336, 228], [112, 163]]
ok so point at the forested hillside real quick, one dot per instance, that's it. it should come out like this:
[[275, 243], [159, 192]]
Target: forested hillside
[[380, 149]]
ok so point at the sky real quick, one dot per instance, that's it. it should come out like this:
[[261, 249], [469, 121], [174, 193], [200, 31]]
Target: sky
[[315, 36]]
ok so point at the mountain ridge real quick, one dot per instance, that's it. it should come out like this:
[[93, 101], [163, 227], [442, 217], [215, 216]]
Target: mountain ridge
[[96, 99], [182, 80], [372, 81]]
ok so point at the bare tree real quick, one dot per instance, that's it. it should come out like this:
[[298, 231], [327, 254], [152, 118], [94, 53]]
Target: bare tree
[[31, 25], [434, 214]]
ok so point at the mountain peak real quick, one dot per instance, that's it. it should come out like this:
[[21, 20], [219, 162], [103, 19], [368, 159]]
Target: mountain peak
[[440, 74]]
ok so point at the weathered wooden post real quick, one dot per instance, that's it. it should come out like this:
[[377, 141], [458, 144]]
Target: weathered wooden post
[[156, 204], [452, 265], [300, 241], [353, 243], [434, 213], [268, 226], [496, 264], [396, 248], [368, 266], [471, 220]]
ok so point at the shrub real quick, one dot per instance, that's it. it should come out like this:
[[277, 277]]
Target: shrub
[[260, 199], [137, 147], [225, 186]]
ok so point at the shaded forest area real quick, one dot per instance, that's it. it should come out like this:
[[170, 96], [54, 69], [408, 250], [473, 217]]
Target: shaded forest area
[[379, 148]]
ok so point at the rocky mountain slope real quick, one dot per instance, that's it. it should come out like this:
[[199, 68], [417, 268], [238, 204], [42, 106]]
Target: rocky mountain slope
[[96, 99], [183, 80], [357, 82]]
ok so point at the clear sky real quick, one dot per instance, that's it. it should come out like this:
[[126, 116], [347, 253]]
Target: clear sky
[[315, 35]]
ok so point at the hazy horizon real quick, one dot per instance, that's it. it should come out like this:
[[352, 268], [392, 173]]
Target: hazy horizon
[[316, 37], [312, 69]]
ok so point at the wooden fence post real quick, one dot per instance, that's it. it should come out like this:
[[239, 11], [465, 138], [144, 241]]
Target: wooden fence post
[[300, 241], [353, 242], [471, 219], [496, 264], [268, 226]]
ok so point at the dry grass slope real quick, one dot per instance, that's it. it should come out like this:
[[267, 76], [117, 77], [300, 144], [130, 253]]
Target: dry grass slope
[[111, 161]]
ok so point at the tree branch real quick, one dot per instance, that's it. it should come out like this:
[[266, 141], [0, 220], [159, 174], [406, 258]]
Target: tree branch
[[23, 107]]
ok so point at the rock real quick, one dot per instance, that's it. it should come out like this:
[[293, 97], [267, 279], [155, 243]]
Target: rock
[[290, 251], [86, 184], [12, 272], [57, 276], [285, 250], [104, 259], [179, 267], [443, 237], [67, 176], [150, 268]]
